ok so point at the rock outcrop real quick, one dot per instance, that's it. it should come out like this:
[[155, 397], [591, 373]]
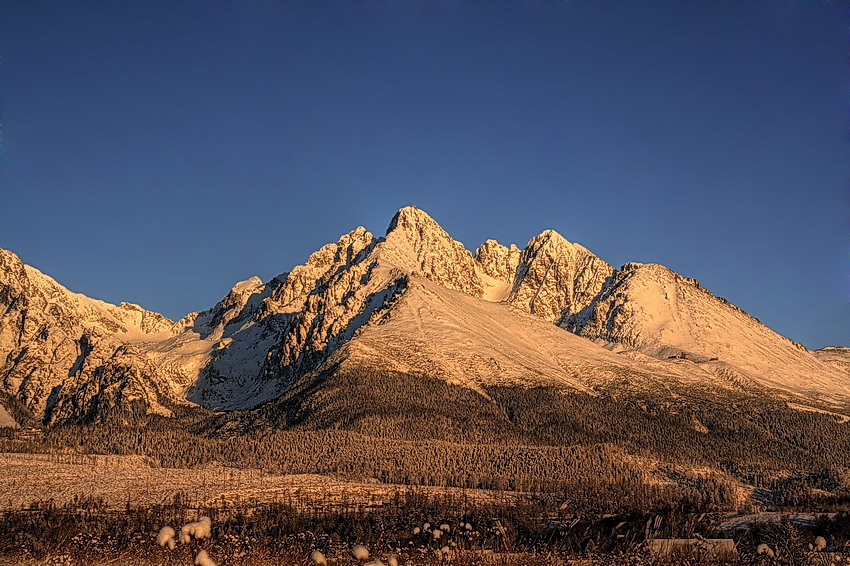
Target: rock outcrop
[[415, 302], [64, 356]]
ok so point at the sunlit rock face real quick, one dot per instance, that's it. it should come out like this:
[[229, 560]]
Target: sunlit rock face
[[498, 261], [415, 302], [417, 244], [555, 278], [65, 356]]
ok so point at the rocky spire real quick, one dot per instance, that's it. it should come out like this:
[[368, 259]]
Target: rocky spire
[[498, 261], [416, 243], [556, 277]]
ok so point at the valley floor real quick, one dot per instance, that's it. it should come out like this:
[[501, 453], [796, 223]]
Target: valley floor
[[30, 481], [66, 509]]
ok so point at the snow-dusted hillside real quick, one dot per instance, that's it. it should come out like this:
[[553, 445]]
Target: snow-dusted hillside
[[260, 337], [651, 309], [65, 356], [415, 302], [835, 356], [441, 333]]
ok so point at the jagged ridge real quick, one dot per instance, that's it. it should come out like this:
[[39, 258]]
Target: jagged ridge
[[414, 301]]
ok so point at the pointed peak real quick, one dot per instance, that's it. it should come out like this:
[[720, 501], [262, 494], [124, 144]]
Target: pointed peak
[[411, 217], [416, 244], [550, 236], [548, 239]]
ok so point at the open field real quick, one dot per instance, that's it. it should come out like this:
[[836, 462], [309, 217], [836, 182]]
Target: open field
[[109, 509], [116, 481]]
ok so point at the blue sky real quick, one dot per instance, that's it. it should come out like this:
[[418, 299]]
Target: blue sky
[[157, 151]]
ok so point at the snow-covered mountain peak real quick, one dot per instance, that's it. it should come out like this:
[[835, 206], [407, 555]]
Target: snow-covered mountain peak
[[656, 276], [23, 285], [493, 247], [9, 259], [553, 243], [320, 266], [491, 244], [412, 217], [657, 268], [410, 302], [148, 322], [345, 250], [547, 236], [420, 231], [556, 277], [11, 270], [417, 244]]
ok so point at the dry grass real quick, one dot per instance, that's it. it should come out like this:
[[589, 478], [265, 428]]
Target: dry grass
[[119, 480], [262, 519]]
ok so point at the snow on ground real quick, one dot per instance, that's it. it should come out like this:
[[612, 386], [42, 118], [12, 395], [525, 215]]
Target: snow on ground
[[835, 356], [27, 478], [663, 314], [472, 342], [129, 319], [466, 320], [797, 407], [494, 290]]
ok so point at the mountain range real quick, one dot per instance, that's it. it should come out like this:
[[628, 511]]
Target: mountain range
[[416, 308]]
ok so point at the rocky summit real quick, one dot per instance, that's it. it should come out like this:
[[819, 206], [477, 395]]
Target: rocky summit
[[415, 304]]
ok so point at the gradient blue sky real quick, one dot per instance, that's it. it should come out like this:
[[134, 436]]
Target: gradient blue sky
[[157, 151]]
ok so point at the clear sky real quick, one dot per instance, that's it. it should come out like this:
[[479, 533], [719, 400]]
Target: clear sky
[[157, 152]]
